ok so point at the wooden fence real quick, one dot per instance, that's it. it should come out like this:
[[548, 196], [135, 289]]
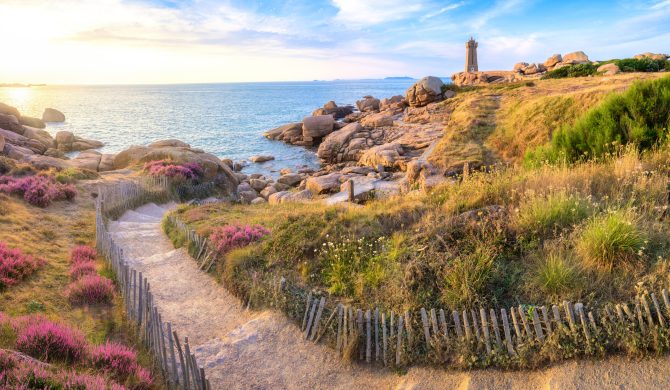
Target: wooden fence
[[172, 355], [395, 339]]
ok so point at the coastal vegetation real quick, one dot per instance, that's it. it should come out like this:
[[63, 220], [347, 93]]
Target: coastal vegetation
[[57, 301]]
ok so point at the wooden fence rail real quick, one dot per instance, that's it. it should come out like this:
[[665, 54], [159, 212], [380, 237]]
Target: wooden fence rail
[[377, 335], [178, 365]]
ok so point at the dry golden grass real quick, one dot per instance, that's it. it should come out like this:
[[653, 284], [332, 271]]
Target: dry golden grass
[[500, 122]]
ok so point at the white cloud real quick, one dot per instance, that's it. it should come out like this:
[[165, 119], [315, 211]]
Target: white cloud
[[442, 10], [356, 13]]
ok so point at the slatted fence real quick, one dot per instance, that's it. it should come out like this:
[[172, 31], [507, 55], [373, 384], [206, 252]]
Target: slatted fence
[[375, 335], [172, 355]]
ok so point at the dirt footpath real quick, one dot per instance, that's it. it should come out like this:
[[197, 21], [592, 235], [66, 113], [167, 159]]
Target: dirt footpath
[[262, 350]]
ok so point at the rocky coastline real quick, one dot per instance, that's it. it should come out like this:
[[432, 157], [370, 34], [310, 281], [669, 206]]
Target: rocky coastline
[[377, 146]]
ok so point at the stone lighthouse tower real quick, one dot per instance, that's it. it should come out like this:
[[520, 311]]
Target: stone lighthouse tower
[[471, 56]]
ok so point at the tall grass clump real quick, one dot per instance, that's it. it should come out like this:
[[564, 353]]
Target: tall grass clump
[[540, 215], [16, 265], [49, 341], [578, 70], [640, 116], [467, 277], [556, 275], [90, 290], [610, 240]]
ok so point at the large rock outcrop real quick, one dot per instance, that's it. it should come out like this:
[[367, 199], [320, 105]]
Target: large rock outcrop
[[315, 127], [553, 60], [332, 148], [290, 133], [424, 91], [53, 115], [68, 142], [609, 69], [9, 110], [214, 168], [368, 104], [576, 57], [331, 108], [652, 56]]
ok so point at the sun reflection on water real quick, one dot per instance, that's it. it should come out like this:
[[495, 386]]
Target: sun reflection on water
[[19, 96]]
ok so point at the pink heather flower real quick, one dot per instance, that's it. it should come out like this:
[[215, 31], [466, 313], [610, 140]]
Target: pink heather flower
[[229, 237], [16, 266], [116, 359], [189, 170], [37, 190], [82, 268], [143, 380], [90, 290], [51, 341], [83, 253]]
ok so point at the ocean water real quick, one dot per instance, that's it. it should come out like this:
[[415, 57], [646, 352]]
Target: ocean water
[[227, 120]]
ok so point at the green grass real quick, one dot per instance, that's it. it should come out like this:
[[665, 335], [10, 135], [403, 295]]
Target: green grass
[[540, 216], [579, 70], [611, 240], [640, 117], [557, 276], [467, 278]]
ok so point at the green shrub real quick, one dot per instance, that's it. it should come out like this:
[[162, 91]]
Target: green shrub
[[71, 175], [237, 267], [610, 240], [555, 275], [579, 70], [539, 215], [640, 116], [468, 276], [640, 65]]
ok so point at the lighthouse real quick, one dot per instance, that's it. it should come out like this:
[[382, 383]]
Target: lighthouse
[[471, 56]]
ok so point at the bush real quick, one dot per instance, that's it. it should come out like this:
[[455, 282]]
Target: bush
[[640, 117], [172, 169], [83, 254], [230, 237], [37, 190], [556, 275], [49, 341], [640, 65], [579, 70], [71, 175], [119, 360], [90, 290], [16, 266], [610, 240], [540, 215], [81, 269]]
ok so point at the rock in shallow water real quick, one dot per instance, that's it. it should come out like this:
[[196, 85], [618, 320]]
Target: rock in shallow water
[[53, 115]]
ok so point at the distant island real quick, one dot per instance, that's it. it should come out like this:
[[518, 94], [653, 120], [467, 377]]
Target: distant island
[[399, 78], [19, 85]]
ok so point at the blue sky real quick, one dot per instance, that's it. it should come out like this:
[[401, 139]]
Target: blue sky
[[99, 41]]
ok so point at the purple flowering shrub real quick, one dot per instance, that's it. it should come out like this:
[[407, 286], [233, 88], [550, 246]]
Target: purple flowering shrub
[[23, 374], [171, 169], [90, 290], [81, 269], [16, 266], [37, 190], [229, 237], [49, 341], [120, 362], [83, 254]]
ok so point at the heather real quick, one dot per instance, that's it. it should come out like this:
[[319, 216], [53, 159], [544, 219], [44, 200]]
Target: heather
[[81, 269], [227, 238], [38, 190], [83, 253], [16, 265], [120, 362], [90, 290], [167, 168], [50, 341]]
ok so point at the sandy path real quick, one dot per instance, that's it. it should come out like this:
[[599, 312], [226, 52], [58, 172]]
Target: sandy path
[[262, 350]]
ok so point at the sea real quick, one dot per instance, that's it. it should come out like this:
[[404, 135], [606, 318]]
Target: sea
[[227, 119]]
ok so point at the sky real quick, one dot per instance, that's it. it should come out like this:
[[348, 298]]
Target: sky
[[183, 41]]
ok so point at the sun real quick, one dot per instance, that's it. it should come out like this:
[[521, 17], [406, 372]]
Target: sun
[[19, 95]]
